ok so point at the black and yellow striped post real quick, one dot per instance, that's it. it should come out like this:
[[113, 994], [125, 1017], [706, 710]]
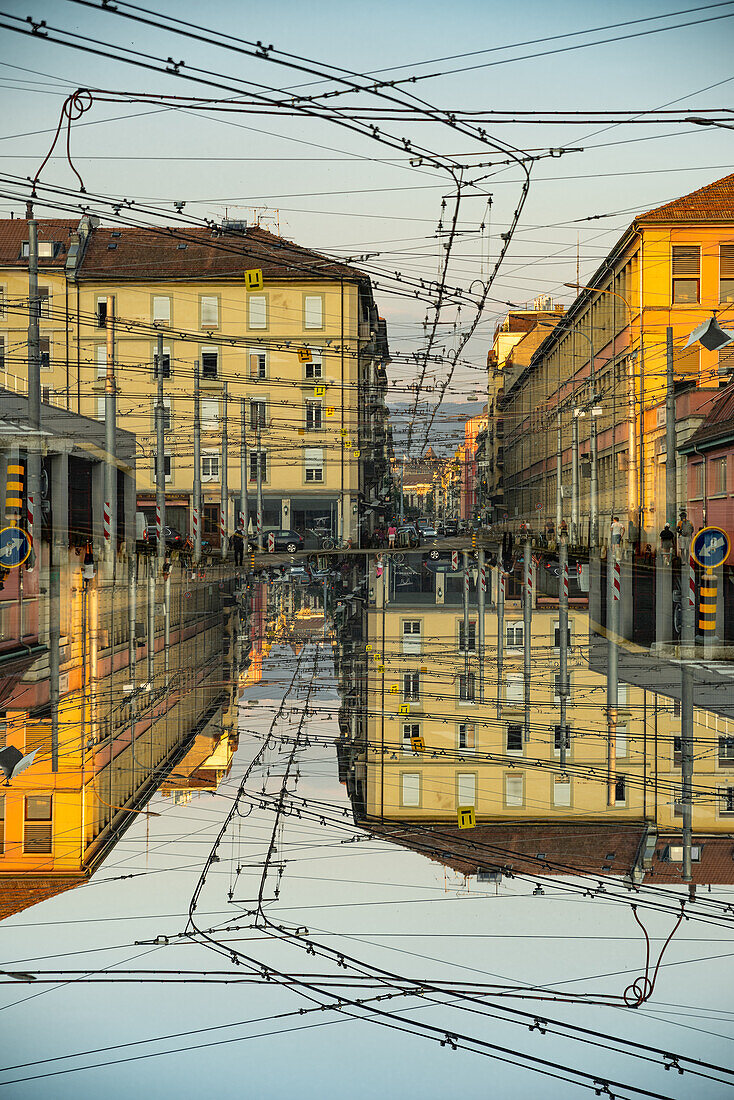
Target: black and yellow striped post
[[707, 603], [14, 493]]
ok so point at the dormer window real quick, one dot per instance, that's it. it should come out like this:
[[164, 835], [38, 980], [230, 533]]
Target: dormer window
[[47, 250]]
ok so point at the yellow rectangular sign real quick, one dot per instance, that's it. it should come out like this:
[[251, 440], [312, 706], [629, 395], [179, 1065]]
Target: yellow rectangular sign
[[254, 279], [304, 355], [417, 744], [329, 410], [466, 816], [404, 708], [319, 391]]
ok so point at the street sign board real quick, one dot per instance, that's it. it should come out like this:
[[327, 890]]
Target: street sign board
[[15, 546], [711, 547], [271, 542], [254, 278]]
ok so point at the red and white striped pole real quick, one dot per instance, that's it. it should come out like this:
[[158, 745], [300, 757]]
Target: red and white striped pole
[[483, 577], [691, 582], [222, 525], [158, 531], [616, 587], [565, 580], [106, 521], [29, 517], [195, 523]]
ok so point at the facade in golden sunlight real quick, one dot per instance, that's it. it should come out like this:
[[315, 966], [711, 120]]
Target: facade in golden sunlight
[[292, 373], [149, 664], [434, 723], [606, 362]]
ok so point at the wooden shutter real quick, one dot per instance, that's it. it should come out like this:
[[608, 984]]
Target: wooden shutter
[[726, 261], [209, 312], [686, 261]]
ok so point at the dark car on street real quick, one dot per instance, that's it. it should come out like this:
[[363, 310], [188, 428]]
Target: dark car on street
[[173, 538], [451, 528], [290, 541]]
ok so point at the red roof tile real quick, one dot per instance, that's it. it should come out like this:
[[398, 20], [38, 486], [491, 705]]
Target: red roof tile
[[19, 892], [719, 424], [715, 202], [159, 254], [14, 232]]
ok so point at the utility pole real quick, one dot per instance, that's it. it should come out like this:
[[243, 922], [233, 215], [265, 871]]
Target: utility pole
[[559, 473], [465, 560], [563, 640], [575, 477], [688, 636], [481, 600], [613, 597], [500, 628], [402, 491], [34, 391], [260, 487], [224, 498], [197, 465], [670, 441], [527, 626], [244, 504], [110, 425], [160, 459]]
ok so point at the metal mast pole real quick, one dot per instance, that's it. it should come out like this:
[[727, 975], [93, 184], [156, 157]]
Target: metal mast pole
[[481, 599], [244, 504], [575, 477], [110, 424], [465, 560], [688, 610], [527, 625], [563, 640], [559, 472], [34, 389], [670, 441], [613, 594], [594, 487], [224, 501], [260, 487], [500, 629], [160, 460], [197, 465]]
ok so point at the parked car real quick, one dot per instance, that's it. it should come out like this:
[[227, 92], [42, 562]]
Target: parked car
[[290, 541], [451, 528], [173, 538], [407, 535]]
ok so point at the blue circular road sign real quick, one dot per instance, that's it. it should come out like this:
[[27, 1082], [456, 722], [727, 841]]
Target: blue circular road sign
[[711, 547], [15, 546]]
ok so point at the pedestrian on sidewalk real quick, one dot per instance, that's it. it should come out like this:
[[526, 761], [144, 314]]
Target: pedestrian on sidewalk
[[391, 533], [667, 539], [238, 542]]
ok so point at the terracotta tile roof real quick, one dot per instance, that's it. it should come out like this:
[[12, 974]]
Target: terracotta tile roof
[[144, 254], [14, 232], [718, 425], [19, 892], [715, 202]]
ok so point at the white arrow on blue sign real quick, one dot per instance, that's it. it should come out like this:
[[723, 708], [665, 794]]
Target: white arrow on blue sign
[[15, 546], [711, 547]]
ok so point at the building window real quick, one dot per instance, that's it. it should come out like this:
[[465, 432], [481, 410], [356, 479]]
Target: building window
[[561, 791], [726, 800], [314, 464], [101, 408], [166, 413], [263, 465], [46, 394], [161, 310], [412, 687], [258, 414], [313, 415], [726, 752], [673, 853], [677, 752], [466, 688], [514, 790], [467, 735], [46, 250], [472, 637], [37, 833], [2, 823], [258, 365], [410, 788], [165, 362], [513, 740], [209, 364], [686, 271], [209, 308], [557, 634], [314, 370], [697, 481], [557, 687], [514, 634], [100, 358], [620, 742], [514, 689], [167, 466], [44, 347], [209, 414], [620, 790], [466, 789], [257, 311], [2, 353], [313, 311], [726, 272], [410, 729], [412, 642], [557, 739], [45, 299], [210, 466], [101, 313], [718, 475]]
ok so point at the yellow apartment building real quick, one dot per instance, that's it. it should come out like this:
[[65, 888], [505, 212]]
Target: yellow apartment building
[[420, 681], [673, 267], [300, 360]]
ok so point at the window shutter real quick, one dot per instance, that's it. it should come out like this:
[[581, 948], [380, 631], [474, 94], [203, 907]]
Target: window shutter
[[209, 312], [686, 261], [467, 788], [726, 261], [314, 311], [162, 310], [257, 311], [411, 788]]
